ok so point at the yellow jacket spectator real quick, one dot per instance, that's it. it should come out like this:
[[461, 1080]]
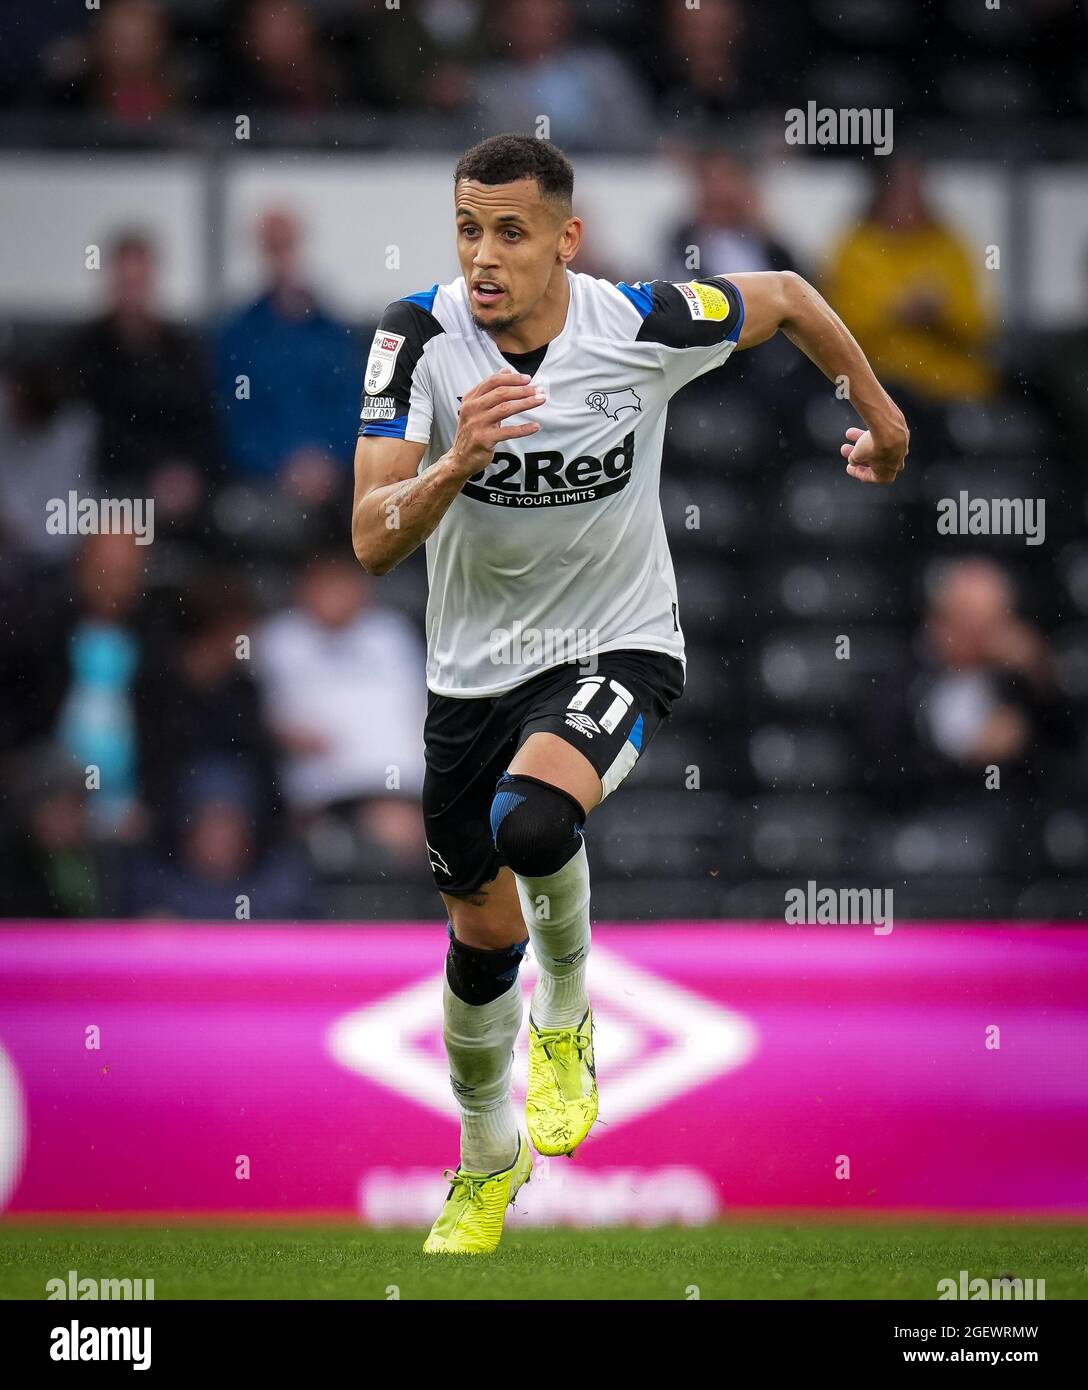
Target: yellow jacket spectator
[[907, 287]]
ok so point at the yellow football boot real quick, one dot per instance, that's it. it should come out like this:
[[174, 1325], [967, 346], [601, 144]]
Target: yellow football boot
[[470, 1222], [561, 1105]]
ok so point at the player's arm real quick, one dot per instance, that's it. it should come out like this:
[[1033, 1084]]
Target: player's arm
[[396, 508], [783, 302]]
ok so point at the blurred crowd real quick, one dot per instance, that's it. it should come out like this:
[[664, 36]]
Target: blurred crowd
[[226, 723], [608, 72]]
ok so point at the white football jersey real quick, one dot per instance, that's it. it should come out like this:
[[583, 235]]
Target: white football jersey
[[557, 548]]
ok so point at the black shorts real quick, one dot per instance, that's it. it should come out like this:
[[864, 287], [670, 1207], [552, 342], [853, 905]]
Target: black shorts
[[610, 715]]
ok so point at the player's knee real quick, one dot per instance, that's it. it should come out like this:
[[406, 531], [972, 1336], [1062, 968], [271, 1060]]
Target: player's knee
[[536, 826], [478, 976]]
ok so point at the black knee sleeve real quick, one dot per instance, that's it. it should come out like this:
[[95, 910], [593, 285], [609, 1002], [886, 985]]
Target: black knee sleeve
[[535, 825], [478, 976]]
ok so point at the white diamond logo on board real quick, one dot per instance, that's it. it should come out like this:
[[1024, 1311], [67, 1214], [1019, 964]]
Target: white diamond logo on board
[[653, 1040], [13, 1128]]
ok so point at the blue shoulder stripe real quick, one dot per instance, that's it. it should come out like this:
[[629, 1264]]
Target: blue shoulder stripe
[[424, 298], [735, 334], [394, 429], [639, 296]]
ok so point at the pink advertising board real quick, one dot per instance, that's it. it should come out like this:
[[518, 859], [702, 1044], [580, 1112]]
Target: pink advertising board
[[299, 1072]]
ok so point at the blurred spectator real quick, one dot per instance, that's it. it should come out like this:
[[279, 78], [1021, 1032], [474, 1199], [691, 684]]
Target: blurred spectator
[[222, 870], [72, 645], [147, 382], [589, 93], [46, 449], [417, 57], [303, 371], [52, 868], [990, 685], [728, 233], [122, 68], [906, 285], [280, 62], [342, 678], [95, 721], [980, 691], [196, 703], [698, 71]]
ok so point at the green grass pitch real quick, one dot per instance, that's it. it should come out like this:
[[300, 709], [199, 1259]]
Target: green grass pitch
[[744, 1261]]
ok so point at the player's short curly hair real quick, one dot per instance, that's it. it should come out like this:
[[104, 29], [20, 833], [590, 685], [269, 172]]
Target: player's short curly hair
[[506, 158]]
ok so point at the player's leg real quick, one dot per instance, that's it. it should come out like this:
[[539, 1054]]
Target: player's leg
[[580, 739], [482, 1002], [482, 1013], [545, 848], [537, 821]]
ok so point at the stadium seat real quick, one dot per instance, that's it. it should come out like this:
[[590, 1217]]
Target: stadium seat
[[855, 79], [712, 429], [938, 842], [1007, 426], [823, 505], [662, 834], [724, 519], [888, 24], [800, 669], [987, 87], [1055, 900], [799, 758], [715, 682], [791, 833], [817, 590], [1072, 566], [709, 595]]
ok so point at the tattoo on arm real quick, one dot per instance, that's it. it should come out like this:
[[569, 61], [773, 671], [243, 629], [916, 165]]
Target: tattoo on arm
[[393, 503]]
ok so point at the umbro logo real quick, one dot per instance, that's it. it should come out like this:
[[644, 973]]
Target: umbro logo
[[613, 403], [583, 724]]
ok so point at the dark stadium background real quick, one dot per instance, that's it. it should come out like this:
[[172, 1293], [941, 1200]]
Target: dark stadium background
[[809, 768]]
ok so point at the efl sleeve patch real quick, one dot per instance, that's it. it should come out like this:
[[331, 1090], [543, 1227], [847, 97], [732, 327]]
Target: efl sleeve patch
[[382, 360], [392, 367]]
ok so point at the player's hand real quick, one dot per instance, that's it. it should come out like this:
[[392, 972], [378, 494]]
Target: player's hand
[[873, 462], [480, 428]]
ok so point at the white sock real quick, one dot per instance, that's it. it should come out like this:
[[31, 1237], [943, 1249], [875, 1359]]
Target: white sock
[[556, 912], [479, 1044]]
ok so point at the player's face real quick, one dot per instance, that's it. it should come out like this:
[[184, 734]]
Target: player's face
[[511, 242]]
